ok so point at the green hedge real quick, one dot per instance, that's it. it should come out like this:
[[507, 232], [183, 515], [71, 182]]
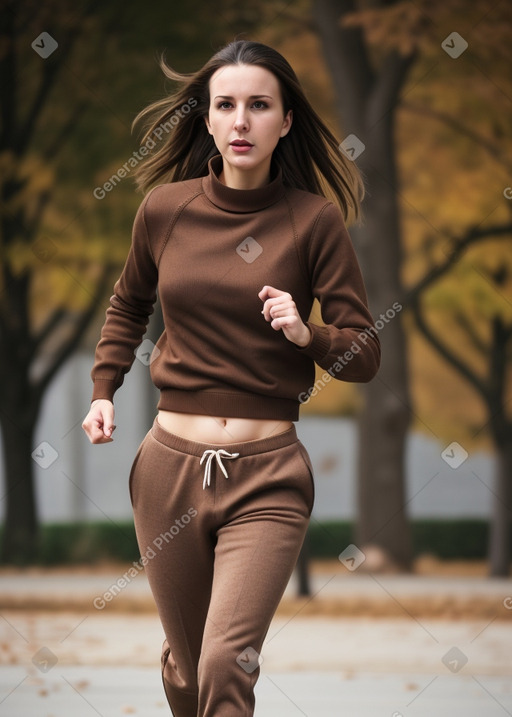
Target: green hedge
[[63, 543], [95, 542], [446, 539]]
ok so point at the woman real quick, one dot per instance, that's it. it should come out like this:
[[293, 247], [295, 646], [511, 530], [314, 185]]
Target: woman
[[238, 241]]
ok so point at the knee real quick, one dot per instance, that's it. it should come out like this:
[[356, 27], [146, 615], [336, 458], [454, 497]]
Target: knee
[[222, 662]]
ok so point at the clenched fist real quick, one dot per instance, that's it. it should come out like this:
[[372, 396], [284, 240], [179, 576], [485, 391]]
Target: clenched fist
[[279, 308]]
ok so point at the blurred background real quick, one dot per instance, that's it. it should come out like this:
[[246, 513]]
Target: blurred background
[[414, 468], [404, 578]]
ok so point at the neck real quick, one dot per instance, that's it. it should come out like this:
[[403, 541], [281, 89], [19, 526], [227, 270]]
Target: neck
[[243, 179]]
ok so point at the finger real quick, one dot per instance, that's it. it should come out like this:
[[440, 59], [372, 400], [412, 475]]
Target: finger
[[108, 426], [270, 292], [105, 419], [98, 436], [271, 306], [93, 430], [102, 439], [283, 309], [288, 321]]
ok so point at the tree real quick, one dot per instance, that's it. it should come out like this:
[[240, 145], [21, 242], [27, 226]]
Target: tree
[[391, 29], [34, 344], [488, 330], [461, 303], [66, 111], [367, 94]]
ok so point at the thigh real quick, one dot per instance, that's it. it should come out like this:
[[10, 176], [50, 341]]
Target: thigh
[[175, 542], [258, 547]]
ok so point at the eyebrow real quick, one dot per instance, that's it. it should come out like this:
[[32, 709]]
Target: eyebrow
[[252, 97]]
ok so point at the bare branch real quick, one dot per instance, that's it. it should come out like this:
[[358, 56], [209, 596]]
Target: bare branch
[[471, 332], [494, 150], [51, 70], [51, 324], [69, 346], [41, 202], [473, 235], [68, 127], [446, 352]]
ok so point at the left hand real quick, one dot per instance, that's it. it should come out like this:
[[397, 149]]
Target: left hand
[[279, 308]]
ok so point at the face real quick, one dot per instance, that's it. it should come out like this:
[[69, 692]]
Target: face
[[246, 119]]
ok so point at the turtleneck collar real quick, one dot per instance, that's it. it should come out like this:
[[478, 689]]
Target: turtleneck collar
[[240, 200]]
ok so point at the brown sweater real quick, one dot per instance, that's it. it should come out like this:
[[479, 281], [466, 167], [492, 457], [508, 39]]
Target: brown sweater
[[209, 250]]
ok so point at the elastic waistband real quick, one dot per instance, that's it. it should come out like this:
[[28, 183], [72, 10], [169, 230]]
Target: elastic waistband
[[245, 448]]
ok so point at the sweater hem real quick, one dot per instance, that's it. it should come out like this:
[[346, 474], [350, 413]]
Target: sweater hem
[[229, 403]]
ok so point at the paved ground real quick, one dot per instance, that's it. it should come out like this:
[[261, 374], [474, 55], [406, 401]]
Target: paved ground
[[110, 692], [335, 591], [393, 657]]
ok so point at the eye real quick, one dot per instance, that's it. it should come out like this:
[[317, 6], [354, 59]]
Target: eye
[[259, 105], [224, 105]]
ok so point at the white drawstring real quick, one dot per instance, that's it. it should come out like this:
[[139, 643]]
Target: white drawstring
[[219, 455]]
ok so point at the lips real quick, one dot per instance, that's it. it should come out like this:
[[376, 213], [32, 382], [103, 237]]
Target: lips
[[240, 143]]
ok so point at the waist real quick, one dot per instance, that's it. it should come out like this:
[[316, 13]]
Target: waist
[[220, 430]]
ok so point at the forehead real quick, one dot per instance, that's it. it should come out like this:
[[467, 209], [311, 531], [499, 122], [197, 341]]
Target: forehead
[[238, 80]]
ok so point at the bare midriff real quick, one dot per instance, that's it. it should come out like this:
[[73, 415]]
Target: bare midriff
[[219, 429]]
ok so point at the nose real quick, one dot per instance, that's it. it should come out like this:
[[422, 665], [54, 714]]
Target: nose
[[241, 123]]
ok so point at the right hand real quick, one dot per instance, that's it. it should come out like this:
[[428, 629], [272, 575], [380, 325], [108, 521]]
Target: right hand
[[99, 422]]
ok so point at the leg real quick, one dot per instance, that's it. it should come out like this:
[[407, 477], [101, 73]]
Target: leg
[[177, 549], [268, 500]]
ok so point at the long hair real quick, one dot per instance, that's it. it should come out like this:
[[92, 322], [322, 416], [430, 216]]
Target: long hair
[[175, 130]]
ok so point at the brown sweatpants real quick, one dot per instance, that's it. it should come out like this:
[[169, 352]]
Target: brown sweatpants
[[218, 557]]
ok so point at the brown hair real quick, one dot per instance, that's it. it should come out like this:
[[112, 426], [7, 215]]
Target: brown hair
[[308, 155]]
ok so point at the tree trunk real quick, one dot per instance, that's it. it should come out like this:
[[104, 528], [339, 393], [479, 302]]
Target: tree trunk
[[500, 537], [367, 103], [384, 420], [20, 534]]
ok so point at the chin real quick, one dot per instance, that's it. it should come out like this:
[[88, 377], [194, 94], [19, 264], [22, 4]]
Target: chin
[[242, 162]]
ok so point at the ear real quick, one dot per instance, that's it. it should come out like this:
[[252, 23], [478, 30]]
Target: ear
[[287, 123], [207, 122]]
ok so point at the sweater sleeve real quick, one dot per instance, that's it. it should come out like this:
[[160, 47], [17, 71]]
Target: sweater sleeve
[[347, 345], [128, 314]]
